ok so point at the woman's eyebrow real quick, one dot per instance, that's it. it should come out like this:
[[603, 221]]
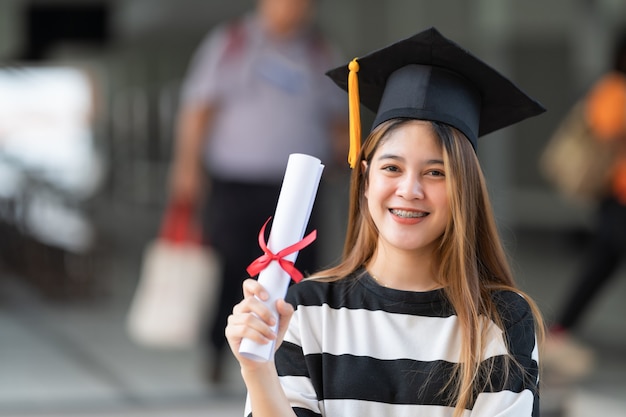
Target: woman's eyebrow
[[399, 158], [390, 156]]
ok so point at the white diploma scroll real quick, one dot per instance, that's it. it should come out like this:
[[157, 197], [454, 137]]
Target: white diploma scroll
[[295, 202]]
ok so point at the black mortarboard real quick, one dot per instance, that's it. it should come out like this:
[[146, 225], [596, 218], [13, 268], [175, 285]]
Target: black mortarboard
[[427, 76]]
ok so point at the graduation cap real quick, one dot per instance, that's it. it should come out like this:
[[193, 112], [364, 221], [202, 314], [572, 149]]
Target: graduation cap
[[429, 77]]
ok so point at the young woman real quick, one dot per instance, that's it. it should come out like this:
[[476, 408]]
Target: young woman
[[422, 316]]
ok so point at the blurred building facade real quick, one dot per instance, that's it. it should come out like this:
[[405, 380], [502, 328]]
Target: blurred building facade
[[137, 51]]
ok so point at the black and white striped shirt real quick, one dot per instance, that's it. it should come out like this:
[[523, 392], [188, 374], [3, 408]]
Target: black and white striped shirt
[[355, 348]]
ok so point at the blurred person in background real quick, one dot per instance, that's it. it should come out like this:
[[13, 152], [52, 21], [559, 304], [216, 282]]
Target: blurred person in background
[[255, 92], [605, 111]]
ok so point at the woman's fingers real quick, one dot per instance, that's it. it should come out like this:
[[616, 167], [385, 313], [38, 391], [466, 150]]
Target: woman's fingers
[[251, 288], [254, 295], [252, 319], [285, 311]]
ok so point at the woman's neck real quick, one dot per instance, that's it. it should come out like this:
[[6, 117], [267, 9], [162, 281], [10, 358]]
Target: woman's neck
[[402, 270]]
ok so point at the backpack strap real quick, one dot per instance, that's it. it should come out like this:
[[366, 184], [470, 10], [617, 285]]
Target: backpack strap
[[235, 39], [319, 48]]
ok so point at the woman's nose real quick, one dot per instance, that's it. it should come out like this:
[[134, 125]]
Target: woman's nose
[[410, 187]]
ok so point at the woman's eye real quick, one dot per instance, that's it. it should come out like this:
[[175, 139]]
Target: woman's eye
[[390, 168], [436, 173]]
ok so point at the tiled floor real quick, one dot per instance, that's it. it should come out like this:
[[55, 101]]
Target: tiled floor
[[75, 359]]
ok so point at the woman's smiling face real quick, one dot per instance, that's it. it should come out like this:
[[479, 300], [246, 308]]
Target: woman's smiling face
[[406, 189]]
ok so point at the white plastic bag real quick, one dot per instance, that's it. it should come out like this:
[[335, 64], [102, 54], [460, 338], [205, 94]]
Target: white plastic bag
[[177, 288]]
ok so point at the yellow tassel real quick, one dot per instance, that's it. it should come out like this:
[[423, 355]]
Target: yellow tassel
[[355, 113]]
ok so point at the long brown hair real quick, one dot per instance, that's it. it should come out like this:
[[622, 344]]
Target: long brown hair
[[471, 258]]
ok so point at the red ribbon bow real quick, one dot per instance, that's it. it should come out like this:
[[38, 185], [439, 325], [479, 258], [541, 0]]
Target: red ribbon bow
[[264, 260]]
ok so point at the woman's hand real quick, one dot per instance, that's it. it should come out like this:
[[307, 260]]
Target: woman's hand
[[252, 319]]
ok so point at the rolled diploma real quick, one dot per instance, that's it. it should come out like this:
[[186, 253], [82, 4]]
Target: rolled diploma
[[293, 210]]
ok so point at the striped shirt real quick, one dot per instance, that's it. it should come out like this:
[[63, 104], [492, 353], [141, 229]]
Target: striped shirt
[[355, 348]]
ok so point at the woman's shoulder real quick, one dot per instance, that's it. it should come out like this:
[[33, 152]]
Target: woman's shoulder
[[518, 323], [318, 291], [512, 306]]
